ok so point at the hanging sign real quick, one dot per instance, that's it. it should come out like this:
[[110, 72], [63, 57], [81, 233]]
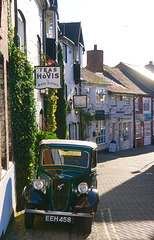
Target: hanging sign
[[80, 101], [48, 77]]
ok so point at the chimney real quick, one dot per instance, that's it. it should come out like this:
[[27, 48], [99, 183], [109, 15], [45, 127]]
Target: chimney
[[95, 60], [150, 62]]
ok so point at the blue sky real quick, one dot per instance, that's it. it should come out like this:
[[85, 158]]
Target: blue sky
[[123, 29]]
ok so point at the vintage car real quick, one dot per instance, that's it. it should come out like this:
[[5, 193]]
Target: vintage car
[[65, 186]]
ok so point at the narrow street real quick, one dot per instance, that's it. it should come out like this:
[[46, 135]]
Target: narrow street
[[126, 208]]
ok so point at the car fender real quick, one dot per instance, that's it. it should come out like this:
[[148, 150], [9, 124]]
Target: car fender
[[93, 197]]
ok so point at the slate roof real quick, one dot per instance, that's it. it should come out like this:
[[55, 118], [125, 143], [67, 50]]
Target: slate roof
[[117, 82], [91, 77], [141, 77], [72, 31]]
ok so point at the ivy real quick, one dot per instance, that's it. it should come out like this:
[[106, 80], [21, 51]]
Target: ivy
[[51, 124], [61, 112], [22, 103]]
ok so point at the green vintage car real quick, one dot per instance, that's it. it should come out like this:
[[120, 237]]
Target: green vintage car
[[65, 187]]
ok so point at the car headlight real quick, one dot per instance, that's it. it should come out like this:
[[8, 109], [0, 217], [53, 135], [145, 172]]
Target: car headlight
[[38, 184], [83, 187]]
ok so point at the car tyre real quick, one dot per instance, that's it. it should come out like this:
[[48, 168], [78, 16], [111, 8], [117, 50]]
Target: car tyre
[[87, 225], [29, 220]]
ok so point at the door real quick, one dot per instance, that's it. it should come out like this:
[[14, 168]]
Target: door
[[147, 133]]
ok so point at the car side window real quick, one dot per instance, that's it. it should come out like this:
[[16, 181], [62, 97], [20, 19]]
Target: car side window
[[47, 158]]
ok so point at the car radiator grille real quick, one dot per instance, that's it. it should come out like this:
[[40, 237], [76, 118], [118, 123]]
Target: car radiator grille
[[60, 194]]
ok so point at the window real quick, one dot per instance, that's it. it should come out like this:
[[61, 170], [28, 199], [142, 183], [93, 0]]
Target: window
[[100, 132], [147, 129], [21, 31], [39, 49], [125, 132], [138, 130], [136, 104], [50, 24], [64, 47], [87, 91], [76, 54], [146, 105], [126, 100], [113, 100]]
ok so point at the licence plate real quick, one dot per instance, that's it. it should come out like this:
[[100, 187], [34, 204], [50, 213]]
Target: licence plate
[[58, 219]]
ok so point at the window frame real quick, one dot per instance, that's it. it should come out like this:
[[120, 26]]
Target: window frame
[[126, 100], [100, 132]]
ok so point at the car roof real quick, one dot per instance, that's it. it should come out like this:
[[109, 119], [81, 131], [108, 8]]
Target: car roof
[[68, 142]]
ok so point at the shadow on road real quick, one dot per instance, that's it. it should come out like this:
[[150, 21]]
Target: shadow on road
[[104, 156]]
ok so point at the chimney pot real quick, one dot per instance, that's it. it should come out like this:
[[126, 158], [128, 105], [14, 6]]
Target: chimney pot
[[95, 47], [150, 62]]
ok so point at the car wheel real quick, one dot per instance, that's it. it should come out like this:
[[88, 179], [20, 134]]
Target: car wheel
[[87, 225], [29, 220]]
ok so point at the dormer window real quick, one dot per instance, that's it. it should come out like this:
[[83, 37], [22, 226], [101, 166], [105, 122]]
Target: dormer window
[[50, 20], [76, 54]]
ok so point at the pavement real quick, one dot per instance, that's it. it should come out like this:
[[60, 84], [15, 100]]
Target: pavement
[[126, 208]]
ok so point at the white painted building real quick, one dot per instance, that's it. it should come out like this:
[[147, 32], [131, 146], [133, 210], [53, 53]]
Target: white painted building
[[30, 31], [73, 48]]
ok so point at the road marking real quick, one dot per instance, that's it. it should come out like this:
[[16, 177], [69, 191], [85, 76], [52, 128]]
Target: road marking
[[96, 232], [105, 226], [108, 211], [112, 225]]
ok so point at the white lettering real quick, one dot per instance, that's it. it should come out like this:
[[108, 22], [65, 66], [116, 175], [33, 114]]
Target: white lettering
[[56, 219], [51, 219], [47, 218]]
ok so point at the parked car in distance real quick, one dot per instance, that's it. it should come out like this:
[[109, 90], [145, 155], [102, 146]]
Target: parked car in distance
[[65, 187]]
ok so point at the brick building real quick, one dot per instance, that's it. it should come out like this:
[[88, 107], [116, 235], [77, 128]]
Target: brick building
[[7, 168]]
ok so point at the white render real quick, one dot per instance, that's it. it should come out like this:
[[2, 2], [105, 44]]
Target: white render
[[73, 118], [32, 11], [8, 197]]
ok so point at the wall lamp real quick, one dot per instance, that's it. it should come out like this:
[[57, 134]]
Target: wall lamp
[[70, 101]]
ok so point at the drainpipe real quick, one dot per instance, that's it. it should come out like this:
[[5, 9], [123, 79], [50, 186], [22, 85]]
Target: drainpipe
[[134, 128]]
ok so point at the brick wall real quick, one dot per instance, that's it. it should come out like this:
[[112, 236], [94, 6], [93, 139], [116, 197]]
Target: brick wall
[[4, 157], [95, 60]]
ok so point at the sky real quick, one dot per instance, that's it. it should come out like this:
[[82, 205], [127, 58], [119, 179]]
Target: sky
[[123, 29]]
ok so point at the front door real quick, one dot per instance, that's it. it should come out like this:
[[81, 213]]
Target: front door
[[124, 135]]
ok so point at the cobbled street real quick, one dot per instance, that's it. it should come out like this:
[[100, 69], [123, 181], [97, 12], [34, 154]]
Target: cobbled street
[[126, 208]]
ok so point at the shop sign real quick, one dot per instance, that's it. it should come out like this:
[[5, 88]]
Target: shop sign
[[120, 114], [80, 101], [48, 77], [100, 115]]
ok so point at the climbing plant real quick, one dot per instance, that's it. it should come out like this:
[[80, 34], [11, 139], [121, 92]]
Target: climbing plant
[[85, 123], [51, 102], [61, 112], [22, 103]]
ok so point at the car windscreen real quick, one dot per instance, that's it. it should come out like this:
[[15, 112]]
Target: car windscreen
[[65, 157]]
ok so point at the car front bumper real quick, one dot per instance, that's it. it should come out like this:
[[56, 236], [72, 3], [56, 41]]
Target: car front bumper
[[55, 213]]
